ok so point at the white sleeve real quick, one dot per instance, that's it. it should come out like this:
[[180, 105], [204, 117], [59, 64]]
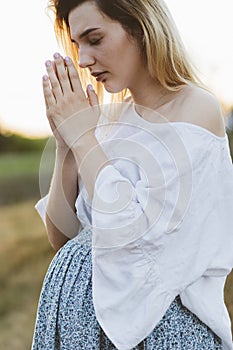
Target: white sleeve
[[41, 208], [145, 185], [149, 247]]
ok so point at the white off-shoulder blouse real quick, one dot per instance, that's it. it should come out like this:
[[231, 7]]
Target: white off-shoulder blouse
[[162, 225]]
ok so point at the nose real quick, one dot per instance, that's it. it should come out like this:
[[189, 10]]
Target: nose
[[85, 59]]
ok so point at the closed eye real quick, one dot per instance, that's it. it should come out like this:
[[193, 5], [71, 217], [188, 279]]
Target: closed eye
[[95, 41], [92, 41]]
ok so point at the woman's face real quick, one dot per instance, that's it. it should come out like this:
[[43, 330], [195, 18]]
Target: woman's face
[[105, 48]]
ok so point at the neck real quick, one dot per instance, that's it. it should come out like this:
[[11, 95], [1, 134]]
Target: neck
[[150, 93]]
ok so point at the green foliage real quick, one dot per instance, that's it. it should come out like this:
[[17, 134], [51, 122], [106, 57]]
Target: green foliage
[[19, 178], [17, 165], [17, 143], [19, 173]]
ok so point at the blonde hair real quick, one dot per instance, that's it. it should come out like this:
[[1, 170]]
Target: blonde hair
[[148, 21]]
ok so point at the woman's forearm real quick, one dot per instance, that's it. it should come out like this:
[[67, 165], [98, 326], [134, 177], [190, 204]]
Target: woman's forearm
[[90, 159], [61, 220]]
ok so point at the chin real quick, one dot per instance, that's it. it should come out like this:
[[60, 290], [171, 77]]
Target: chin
[[112, 89]]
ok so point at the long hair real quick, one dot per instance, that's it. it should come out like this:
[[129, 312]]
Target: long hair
[[151, 24]]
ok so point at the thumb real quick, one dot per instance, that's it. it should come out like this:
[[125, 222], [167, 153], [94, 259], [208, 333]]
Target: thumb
[[92, 96]]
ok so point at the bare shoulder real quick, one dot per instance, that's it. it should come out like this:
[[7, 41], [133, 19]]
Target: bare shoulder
[[202, 108]]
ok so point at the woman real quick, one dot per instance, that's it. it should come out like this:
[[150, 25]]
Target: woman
[[140, 221]]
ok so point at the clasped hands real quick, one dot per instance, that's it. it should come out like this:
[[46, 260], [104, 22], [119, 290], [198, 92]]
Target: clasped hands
[[71, 113]]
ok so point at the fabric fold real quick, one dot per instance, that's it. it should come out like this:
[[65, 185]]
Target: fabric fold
[[161, 220], [138, 264]]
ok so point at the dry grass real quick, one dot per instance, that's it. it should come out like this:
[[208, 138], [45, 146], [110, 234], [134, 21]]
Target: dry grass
[[24, 257]]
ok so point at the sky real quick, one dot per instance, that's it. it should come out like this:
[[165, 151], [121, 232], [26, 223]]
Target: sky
[[28, 40]]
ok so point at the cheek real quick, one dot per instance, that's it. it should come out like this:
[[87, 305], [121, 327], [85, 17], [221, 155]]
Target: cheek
[[104, 55], [115, 48], [128, 57], [112, 54]]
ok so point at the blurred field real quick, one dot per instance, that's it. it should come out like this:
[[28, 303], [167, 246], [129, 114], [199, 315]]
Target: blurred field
[[25, 252], [24, 257]]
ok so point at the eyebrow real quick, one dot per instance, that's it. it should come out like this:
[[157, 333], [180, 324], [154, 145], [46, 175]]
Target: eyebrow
[[85, 33]]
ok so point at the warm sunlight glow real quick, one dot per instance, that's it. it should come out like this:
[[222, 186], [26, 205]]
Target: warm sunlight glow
[[27, 40]]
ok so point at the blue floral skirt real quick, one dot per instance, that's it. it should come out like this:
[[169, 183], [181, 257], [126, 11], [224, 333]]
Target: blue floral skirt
[[66, 318]]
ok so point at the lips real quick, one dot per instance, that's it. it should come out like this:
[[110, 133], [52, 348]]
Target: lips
[[99, 75]]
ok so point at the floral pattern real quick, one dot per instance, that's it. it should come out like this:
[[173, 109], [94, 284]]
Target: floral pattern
[[66, 318]]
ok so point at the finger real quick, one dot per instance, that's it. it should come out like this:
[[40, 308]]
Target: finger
[[56, 87], [92, 96], [48, 95], [62, 73], [93, 99], [73, 76], [54, 67]]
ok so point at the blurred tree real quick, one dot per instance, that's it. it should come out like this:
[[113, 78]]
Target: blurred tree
[[10, 142]]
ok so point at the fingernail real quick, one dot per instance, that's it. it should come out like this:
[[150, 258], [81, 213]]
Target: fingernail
[[48, 63], [90, 87], [56, 55], [67, 59], [45, 77]]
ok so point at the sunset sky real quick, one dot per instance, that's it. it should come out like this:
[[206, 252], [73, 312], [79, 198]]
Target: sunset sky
[[27, 40]]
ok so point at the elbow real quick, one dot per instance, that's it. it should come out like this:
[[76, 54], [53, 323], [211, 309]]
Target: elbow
[[56, 245], [56, 238]]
